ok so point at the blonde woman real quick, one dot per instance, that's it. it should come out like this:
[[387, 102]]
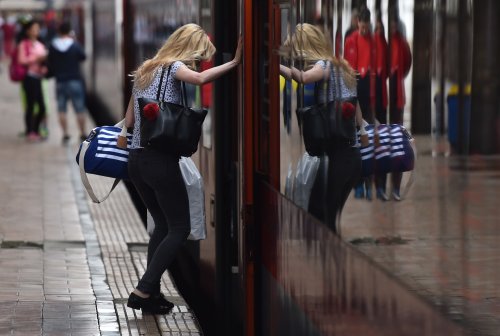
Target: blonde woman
[[156, 175], [309, 46]]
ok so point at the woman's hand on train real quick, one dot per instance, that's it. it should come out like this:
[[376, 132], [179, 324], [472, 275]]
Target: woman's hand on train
[[239, 51]]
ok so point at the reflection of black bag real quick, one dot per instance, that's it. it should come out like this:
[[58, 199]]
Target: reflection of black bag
[[327, 124], [169, 127]]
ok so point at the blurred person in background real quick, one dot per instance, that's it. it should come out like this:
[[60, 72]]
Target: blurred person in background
[[400, 65], [381, 74], [65, 56], [2, 22], [9, 35], [32, 53], [354, 23], [359, 53], [49, 28]]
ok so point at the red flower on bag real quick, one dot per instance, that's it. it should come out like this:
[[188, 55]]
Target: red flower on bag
[[348, 110], [151, 111]]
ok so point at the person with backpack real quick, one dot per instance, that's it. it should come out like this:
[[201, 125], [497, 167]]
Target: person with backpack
[[65, 56], [32, 54]]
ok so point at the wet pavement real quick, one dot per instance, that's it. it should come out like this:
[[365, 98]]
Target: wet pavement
[[443, 240], [68, 265]]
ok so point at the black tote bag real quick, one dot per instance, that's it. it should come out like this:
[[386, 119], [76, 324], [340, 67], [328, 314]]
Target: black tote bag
[[325, 124], [173, 128]]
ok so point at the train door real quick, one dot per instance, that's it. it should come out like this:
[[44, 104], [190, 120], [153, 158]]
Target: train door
[[220, 276]]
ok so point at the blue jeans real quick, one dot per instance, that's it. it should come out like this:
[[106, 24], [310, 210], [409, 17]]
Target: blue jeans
[[70, 90], [158, 180]]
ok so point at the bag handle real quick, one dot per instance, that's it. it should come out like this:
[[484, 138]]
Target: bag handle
[[183, 87], [83, 174], [161, 83]]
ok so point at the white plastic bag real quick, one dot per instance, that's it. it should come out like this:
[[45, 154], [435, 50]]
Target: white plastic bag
[[307, 168], [196, 196]]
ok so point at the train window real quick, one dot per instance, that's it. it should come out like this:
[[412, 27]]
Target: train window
[[364, 49], [298, 168]]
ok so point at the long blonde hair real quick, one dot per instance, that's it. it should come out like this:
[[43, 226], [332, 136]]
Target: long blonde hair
[[187, 44], [309, 44]]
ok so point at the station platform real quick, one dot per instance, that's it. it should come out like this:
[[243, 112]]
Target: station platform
[[67, 264], [443, 240]]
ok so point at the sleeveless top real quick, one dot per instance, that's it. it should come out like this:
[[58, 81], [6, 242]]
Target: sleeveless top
[[172, 89], [332, 84], [335, 81]]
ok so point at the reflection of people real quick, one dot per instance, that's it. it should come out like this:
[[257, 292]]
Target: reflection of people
[[354, 23], [65, 55], [359, 52], [342, 160], [380, 72], [380, 93], [32, 53], [156, 174], [400, 66]]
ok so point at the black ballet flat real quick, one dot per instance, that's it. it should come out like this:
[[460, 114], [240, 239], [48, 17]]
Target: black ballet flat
[[150, 305], [163, 301]]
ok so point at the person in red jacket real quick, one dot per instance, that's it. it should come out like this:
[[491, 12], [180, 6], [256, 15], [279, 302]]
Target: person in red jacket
[[359, 52], [401, 60], [400, 67], [381, 74]]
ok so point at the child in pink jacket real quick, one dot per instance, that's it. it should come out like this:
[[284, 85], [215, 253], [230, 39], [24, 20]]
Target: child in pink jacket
[[33, 53]]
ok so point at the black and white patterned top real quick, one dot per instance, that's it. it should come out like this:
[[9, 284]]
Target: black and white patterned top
[[345, 92], [172, 89]]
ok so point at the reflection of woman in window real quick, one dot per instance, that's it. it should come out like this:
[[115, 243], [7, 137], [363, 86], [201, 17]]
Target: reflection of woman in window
[[309, 45]]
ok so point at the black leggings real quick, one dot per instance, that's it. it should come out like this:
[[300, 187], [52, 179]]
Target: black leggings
[[33, 89], [363, 89], [338, 173], [380, 109], [157, 178]]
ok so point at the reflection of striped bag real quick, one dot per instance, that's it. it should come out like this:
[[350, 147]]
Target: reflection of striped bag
[[101, 156], [402, 155], [394, 153]]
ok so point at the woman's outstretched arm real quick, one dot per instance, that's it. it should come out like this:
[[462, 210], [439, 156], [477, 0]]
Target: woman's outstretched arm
[[316, 73], [129, 114], [199, 78]]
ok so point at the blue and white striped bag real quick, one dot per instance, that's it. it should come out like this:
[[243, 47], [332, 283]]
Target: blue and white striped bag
[[394, 153], [99, 155], [376, 158]]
